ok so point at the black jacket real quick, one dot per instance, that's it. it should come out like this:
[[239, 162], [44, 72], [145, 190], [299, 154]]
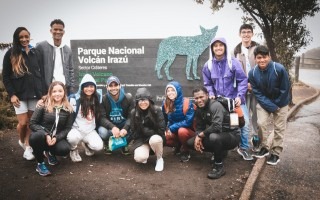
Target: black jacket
[[213, 118], [29, 85], [149, 129], [43, 120]]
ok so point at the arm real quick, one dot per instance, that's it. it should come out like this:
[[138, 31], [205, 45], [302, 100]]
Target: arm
[[128, 117], [68, 125], [264, 101], [216, 118], [284, 87], [207, 81], [187, 122], [7, 73], [104, 120], [36, 119]]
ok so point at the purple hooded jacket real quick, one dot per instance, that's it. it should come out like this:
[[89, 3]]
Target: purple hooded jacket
[[219, 78]]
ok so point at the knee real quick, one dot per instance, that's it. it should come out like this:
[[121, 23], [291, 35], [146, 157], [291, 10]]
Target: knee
[[140, 158], [103, 133], [73, 138], [36, 137], [97, 145], [214, 138], [63, 148], [155, 139]]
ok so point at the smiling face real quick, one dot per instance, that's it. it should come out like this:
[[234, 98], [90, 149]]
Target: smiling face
[[113, 88], [24, 38], [200, 98], [246, 35], [89, 90], [57, 31], [218, 49], [171, 93], [57, 94], [262, 61], [144, 104]]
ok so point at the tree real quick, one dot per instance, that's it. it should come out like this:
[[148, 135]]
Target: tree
[[281, 22]]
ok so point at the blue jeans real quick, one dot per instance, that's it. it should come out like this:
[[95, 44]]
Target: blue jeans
[[244, 136], [106, 133]]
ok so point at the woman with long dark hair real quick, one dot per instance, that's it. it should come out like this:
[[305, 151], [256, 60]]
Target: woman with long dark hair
[[22, 78], [86, 115]]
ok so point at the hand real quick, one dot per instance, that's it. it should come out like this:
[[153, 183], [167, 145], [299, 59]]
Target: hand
[[198, 146], [168, 133], [40, 103], [249, 87], [115, 132], [123, 132], [51, 141], [15, 101], [237, 101]]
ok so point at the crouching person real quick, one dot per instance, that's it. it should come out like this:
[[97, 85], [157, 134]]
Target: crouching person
[[213, 130], [49, 126], [86, 105], [148, 127]]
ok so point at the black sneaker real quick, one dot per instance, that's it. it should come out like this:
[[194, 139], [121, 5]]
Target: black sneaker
[[185, 157], [262, 153], [273, 160], [107, 151], [217, 171], [245, 154], [52, 159], [125, 151]]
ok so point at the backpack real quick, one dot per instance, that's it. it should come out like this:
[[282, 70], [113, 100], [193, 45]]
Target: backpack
[[229, 105]]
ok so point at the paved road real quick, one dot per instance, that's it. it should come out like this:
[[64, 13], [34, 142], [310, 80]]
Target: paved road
[[297, 176]]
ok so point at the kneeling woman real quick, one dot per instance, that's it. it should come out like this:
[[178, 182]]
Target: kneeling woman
[[85, 104], [49, 126], [148, 127]]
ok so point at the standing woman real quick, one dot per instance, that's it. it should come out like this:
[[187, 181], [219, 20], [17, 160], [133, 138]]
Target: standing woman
[[50, 125], [86, 114], [22, 69], [179, 115], [148, 127]]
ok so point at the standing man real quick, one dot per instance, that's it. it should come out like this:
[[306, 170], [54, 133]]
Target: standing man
[[115, 110], [244, 52], [57, 58], [213, 130], [224, 76], [270, 84]]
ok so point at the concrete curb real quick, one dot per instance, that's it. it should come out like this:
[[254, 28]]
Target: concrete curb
[[259, 164]]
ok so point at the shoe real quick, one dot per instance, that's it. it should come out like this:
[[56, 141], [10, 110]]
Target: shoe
[[145, 162], [22, 145], [74, 155], [42, 169], [52, 160], [159, 165], [28, 155], [262, 153], [125, 151], [176, 151], [256, 149], [87, 150], [185, 156], [245, 154], [107, 151], [217, 171], [273, 160]]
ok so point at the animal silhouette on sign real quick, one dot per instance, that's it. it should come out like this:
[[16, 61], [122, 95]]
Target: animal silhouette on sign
[[191, 46]]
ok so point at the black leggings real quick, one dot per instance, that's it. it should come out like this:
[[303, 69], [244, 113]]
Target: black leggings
[[218, 143], [39, 144]]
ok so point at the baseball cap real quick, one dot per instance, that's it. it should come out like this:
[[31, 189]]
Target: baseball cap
[[113, 79]]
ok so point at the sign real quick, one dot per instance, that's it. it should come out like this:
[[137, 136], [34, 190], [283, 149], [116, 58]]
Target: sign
[[150, 63]]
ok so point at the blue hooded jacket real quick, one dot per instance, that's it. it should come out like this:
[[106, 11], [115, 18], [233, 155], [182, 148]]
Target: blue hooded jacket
[[177, 119], [219, 77]]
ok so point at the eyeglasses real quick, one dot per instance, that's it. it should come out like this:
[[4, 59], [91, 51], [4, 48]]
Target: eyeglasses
[[246, 32]]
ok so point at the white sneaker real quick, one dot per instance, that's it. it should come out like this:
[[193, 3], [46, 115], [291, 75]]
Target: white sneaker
[[87, 150], [22, 145], [28, 155], [159, 165], [74, 155]]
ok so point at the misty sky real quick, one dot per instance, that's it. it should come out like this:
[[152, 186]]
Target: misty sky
[[125, 19]]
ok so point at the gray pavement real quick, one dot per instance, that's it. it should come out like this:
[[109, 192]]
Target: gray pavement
[[297, 176]]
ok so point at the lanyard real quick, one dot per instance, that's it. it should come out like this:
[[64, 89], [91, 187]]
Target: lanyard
[[57, 121]]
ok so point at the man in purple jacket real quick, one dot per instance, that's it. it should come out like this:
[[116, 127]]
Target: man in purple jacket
[[224, 76]]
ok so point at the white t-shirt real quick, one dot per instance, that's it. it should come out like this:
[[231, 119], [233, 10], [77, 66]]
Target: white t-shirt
[[58, 74]]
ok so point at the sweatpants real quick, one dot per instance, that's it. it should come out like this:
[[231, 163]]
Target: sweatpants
[[92, 139], [141, 154]]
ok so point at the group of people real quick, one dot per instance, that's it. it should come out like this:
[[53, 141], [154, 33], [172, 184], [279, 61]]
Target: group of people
[[53, 119]]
